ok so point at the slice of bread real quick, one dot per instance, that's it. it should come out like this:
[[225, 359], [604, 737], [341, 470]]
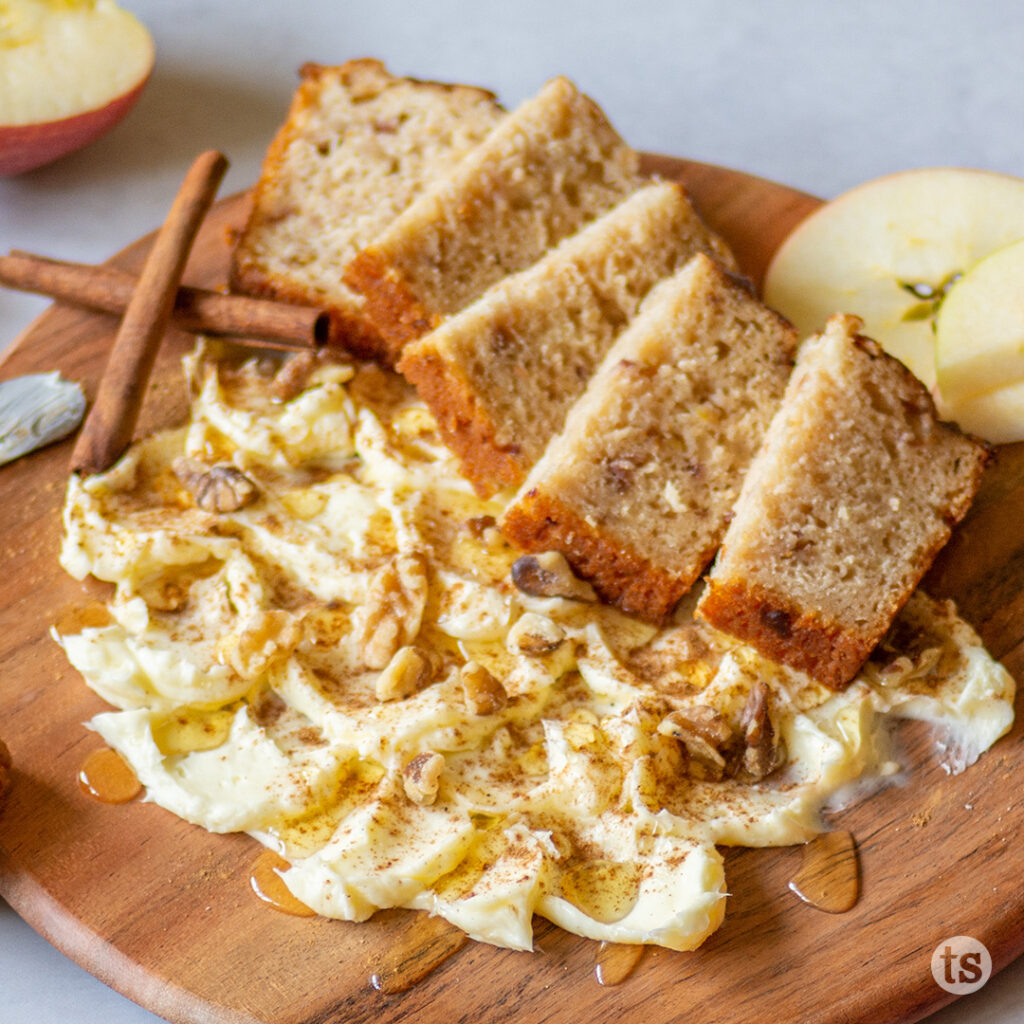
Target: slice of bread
[[553, 164], [638, 488], [359, 144], [856, 488], [501, 376]]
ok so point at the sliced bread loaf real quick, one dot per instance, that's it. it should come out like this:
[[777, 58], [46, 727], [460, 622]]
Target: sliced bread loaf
[[554, 164], [501, 376], [359, 144], [855, 490], [637, 489]]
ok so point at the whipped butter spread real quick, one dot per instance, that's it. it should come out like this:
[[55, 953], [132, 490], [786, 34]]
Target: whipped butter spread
[[315, 639]]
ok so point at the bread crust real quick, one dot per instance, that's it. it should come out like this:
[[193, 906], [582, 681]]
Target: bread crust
[[621, 576], [397, 316], [784, 633], [465, 427]]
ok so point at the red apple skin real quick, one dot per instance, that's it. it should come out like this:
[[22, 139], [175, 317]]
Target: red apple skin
[[24, 147]]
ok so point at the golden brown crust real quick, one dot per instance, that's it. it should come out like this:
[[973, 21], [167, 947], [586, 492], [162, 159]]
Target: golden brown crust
[[397, 316], [776, 628], [801, 638], [465, 427], [621, 576]]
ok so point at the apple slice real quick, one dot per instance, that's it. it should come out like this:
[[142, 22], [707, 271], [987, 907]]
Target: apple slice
[[889, 251], [71, 69], [997, 416], [979, 332], [979, 347]]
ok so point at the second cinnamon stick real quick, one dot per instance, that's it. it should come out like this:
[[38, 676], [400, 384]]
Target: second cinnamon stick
[[279, 324]]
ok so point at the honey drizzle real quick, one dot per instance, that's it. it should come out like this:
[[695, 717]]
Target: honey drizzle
[[605, 890], [420, 946], [829, 877], [269, 886], [615, 962], [106, 776]]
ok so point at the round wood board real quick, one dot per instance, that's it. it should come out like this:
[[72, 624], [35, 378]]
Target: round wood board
[[162, 911]]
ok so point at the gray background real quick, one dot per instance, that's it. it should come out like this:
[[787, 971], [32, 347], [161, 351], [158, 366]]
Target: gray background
[[820, 96]]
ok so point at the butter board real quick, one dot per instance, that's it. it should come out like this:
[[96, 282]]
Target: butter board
[[162, 911]]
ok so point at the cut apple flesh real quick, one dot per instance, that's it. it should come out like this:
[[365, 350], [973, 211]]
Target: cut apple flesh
[[889, 251], [70, 69], [979, 336], [997, 417]]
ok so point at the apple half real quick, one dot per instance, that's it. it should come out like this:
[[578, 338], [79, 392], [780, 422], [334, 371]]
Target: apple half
[[890, 250], [70, 70]]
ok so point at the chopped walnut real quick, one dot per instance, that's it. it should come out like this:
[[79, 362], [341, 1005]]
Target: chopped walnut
[[218, 488], [268, 638], [763, 750], [391, 615], [293, 376], [405, 674], [705, 734], [716, 750], [484, 694], [535, 635], [550, 575], [422, 776]]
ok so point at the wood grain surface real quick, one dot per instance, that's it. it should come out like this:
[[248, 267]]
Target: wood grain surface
[[162, 911]]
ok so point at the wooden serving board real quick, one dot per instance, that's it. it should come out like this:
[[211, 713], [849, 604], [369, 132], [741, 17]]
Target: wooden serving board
[[162, 911]]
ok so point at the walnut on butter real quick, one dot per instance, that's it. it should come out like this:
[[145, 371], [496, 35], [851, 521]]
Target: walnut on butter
[[483, 693], [549, 574], [705, 734], [218, 488], [421, 777], [391, 615], [535, 635], [408, 672]]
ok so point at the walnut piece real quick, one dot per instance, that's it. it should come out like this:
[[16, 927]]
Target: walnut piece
[[218, 488], [550, 575], [293, 376], [763, 750], [716, 750], [705, 734], [535, 635], [409, 670], [484, 694], [391, 615], [269, 637], [421, 777]]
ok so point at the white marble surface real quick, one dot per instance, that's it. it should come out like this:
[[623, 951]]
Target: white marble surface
[[815, 94]]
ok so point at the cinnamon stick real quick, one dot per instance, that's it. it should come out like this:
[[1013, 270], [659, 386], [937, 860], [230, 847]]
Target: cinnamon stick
[[109, 426], [269, 324]]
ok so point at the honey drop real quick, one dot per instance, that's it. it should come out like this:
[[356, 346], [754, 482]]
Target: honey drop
[[829, 877], [421, 946], [106, 776], [270, 887], [75, 617], [615, 962]]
